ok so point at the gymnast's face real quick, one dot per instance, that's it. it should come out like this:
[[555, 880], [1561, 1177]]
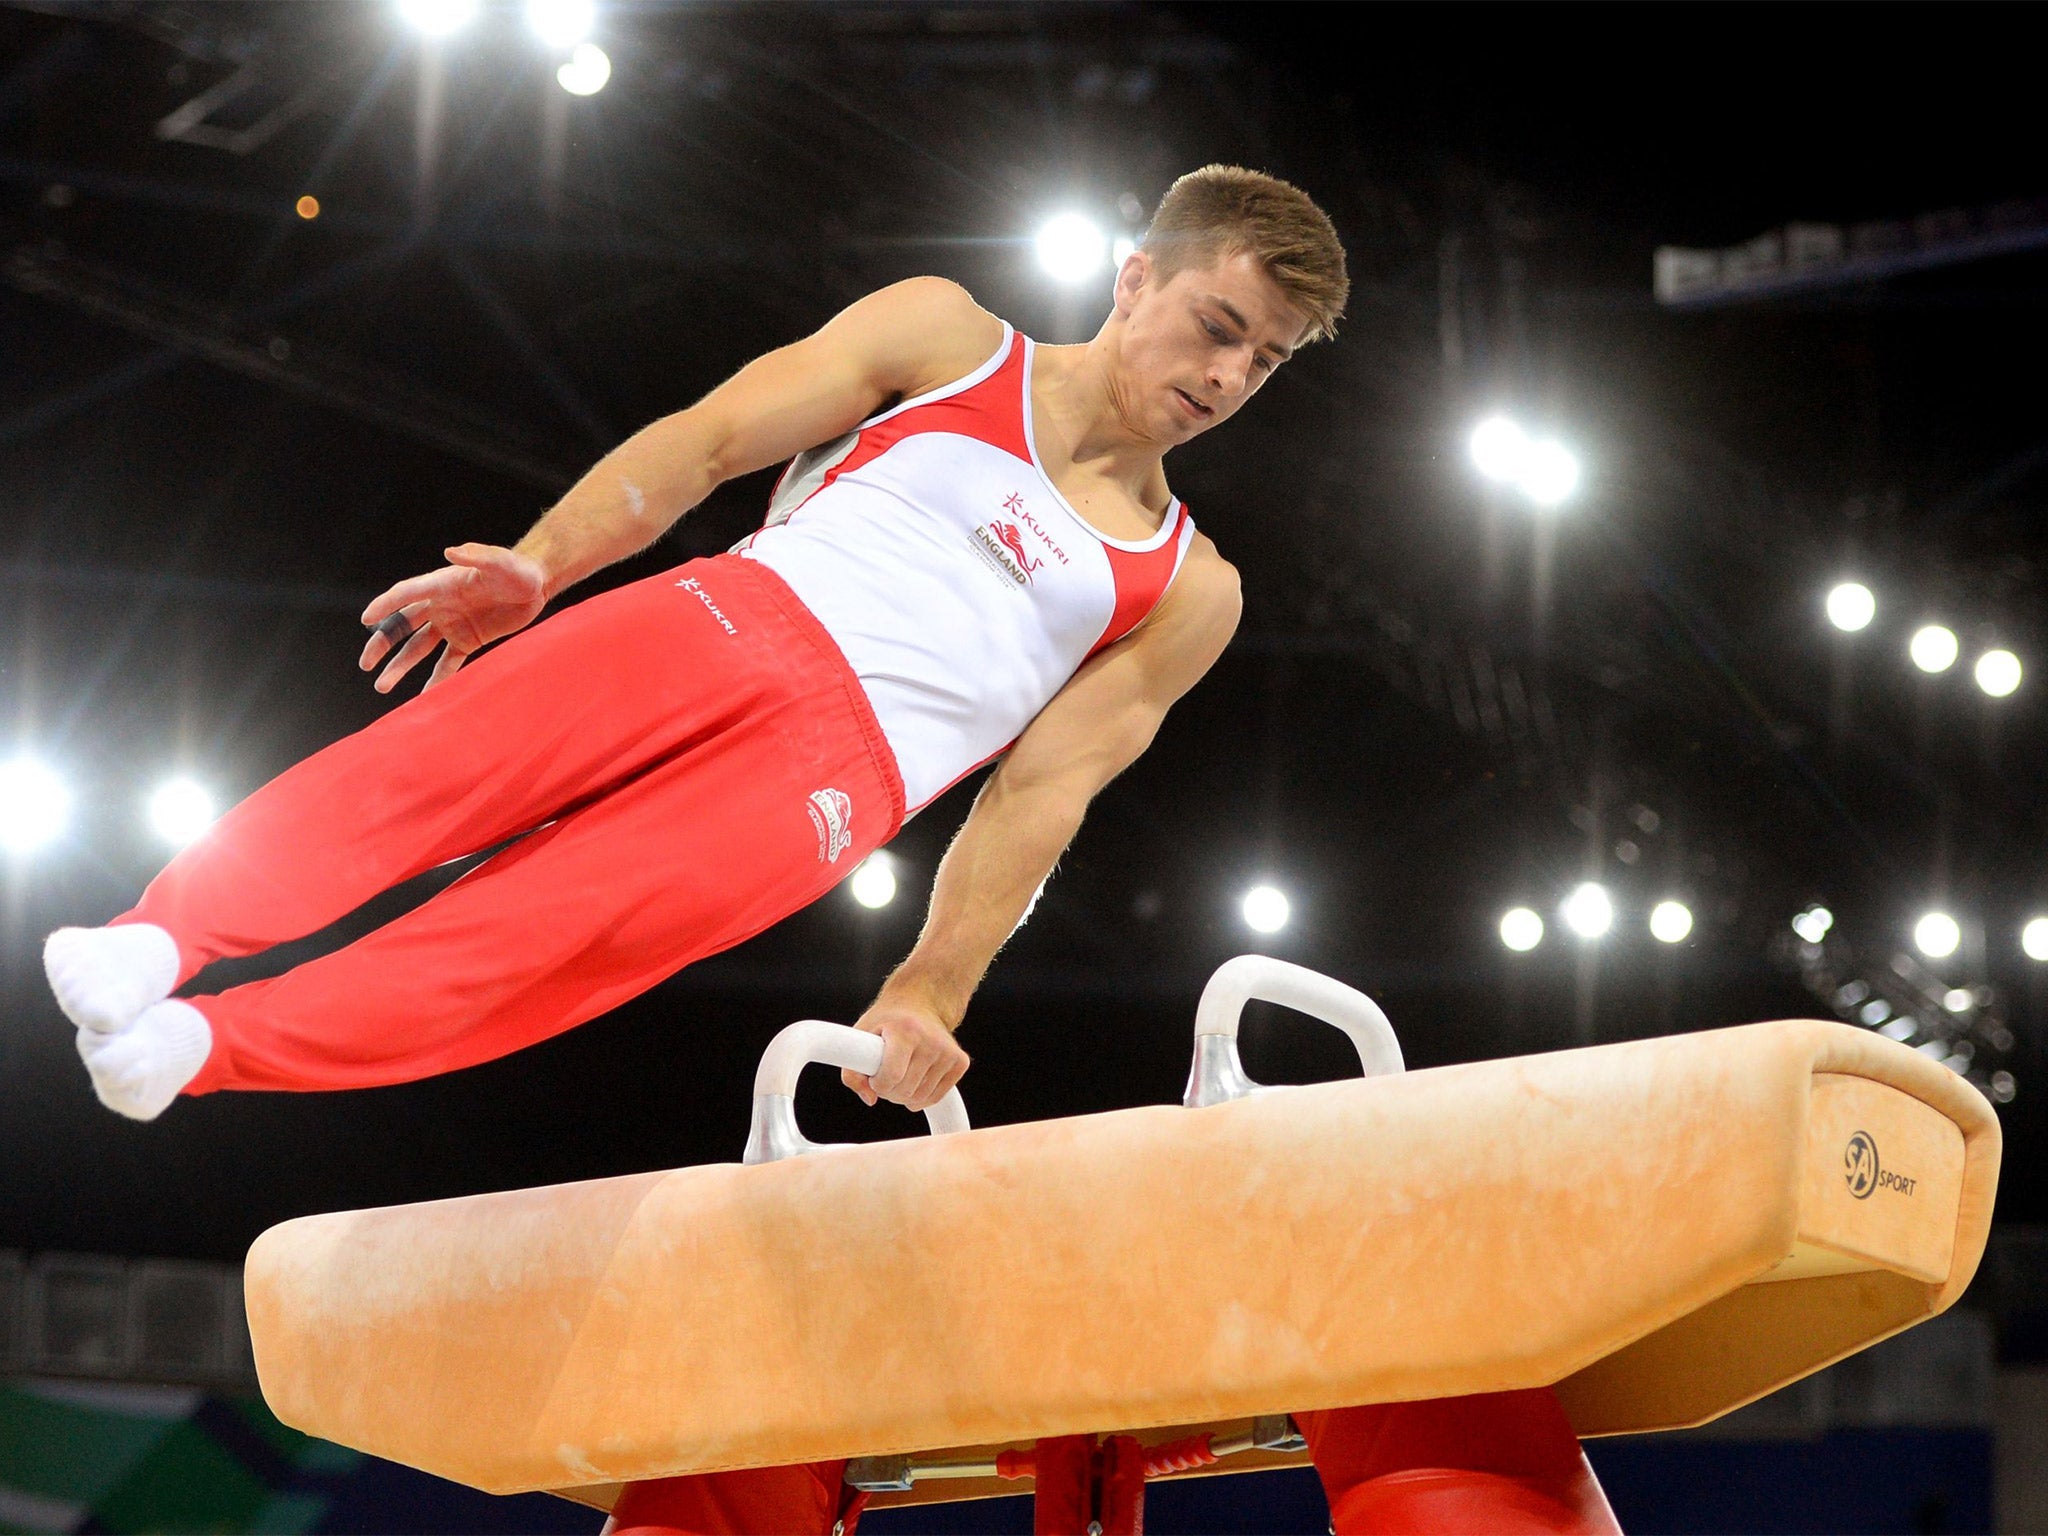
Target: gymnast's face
[[1196, 346]]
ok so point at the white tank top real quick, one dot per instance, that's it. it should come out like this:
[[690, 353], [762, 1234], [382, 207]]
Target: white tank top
[[962, 588]]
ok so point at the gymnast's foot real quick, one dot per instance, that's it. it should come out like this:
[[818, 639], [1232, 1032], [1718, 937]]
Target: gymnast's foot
[[140, 1070], [105, 977]]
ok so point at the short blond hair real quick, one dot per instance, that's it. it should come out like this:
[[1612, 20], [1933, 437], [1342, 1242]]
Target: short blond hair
[[1225, 210]]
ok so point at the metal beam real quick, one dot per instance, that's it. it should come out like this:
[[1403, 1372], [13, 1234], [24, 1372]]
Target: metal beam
[[373, 395], [1812, 258], [160, 586]]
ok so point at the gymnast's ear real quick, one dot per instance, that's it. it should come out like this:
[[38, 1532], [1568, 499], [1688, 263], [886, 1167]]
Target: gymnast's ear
[[1132, 278]]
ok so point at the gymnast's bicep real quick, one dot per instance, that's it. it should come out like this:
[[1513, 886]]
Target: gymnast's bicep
[[898, 341], [1106, 716]]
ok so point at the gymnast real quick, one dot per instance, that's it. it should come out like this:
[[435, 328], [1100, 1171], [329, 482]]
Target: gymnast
[[982, 561]]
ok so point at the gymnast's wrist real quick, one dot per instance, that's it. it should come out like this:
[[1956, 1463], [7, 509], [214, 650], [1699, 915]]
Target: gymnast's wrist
[[555, 575], [916, 991]]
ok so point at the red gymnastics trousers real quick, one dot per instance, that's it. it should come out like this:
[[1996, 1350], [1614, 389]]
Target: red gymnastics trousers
[[689, 760]]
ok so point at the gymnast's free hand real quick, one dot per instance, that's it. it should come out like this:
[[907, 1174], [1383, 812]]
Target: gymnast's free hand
[[921, 1061], [484, 594]]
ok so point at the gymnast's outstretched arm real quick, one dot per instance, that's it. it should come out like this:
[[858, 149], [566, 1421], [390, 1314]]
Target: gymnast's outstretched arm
[[1027, 813], [901, 340]]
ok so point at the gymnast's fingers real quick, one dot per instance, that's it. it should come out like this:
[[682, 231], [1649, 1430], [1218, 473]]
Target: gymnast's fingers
[[416, 589], [947, 1070], [390, 633], [423, 640], [897, 1055], [933, 1062], [930, 1089], [933, 1071], [859, 1085], [450, 663]]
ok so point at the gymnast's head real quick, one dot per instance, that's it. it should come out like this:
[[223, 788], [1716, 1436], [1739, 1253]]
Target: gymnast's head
[[1238, 270]]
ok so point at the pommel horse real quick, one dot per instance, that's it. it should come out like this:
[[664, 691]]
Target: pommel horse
[[1444, 1277]]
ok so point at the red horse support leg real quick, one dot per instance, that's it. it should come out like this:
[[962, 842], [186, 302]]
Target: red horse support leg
[[1503, 1462], [806, 1500]]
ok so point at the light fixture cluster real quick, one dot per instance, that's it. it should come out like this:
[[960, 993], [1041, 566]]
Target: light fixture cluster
[[1933, 648], [1541, 468], [35, 805], [1588, 911], [439, 18], [1264, 908], [1072, 248], [1936, 934], [1891, 991], [560, 25], [36, 808]]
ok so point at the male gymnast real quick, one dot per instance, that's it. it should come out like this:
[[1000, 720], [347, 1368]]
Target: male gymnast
[[982, 561]]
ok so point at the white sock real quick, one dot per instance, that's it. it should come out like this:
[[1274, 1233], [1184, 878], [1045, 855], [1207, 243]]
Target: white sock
[[104, 977], [139, 1071]]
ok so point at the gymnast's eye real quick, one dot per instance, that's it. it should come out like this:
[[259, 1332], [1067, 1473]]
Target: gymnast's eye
[[1216, 332]]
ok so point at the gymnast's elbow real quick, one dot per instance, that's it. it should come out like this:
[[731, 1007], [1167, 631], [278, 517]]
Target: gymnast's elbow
[[1065, 776], [699, 447]]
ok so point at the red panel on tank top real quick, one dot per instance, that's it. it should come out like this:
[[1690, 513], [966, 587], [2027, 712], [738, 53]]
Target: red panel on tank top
[[991, 412], [1142, 577]]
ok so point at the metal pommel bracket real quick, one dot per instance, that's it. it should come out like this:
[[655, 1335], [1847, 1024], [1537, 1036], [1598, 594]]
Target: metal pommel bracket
[[1218, 1075], [899, 1474], [880, 1474], [773, 1134], [1276, 1432]]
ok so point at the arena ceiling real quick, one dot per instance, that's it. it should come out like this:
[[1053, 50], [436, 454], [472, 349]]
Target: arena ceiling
[[223, 426]]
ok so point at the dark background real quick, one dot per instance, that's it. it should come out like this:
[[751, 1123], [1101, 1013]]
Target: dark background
[[223, 428]]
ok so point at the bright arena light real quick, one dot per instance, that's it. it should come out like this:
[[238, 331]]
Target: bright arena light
[[1550, 474], [1542, 469], [1520, 929], [1500, 449], [1070, 248], [874, 883], [2034, 938], [1670, 922], [180, 810], [559, 23], [1958, 999], [588, 69], [1936, 935], [439, 18], [1588, 911], [1851, 606], [1266, 909], [35, 805], [1813, 924], [1121, 249], [1933, 648], [1998, 673]]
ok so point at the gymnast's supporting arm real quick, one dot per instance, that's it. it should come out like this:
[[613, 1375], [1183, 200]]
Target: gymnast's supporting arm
[[1027, 813], [902, 340]]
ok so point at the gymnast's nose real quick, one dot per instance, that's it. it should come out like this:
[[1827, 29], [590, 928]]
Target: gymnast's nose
[[1228, 372]]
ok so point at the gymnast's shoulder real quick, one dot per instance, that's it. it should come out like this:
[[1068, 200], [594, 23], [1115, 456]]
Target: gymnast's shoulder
[[931, 322], [1205, 594]]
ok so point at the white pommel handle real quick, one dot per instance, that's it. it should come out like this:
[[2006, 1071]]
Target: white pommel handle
[[1217, 1075], [773, 1134]]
